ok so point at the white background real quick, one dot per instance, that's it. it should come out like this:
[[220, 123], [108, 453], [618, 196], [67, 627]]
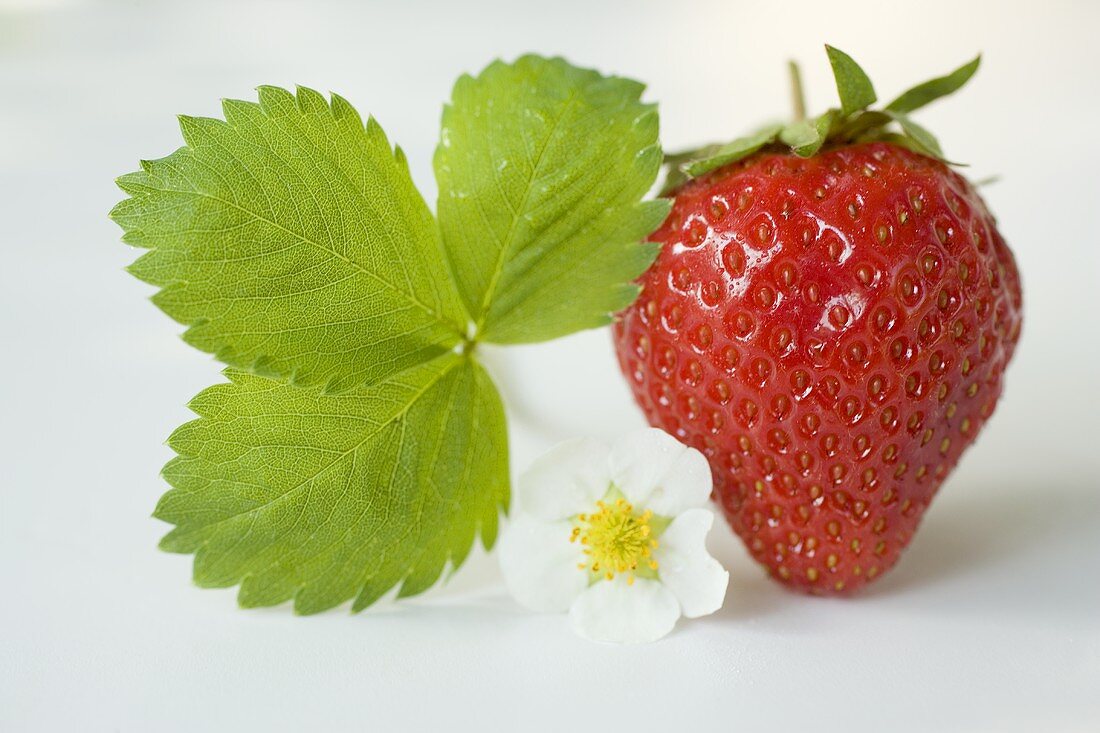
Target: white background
[[991, 622]]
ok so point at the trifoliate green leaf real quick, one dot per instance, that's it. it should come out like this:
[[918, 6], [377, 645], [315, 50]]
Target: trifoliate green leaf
[[321, 498], [852, 83], [541, 168], [353, 449], [932, 90], [733, 151], [291, 241]]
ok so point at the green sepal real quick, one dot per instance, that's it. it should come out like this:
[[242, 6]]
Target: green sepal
[[852, 83], [733, 151], [800, 134], [933, 89], [675, 176], [852, 123], [805, 137], [926, 141], [863, 123]]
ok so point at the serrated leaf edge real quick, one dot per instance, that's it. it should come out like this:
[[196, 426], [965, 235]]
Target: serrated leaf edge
[[485, 528]]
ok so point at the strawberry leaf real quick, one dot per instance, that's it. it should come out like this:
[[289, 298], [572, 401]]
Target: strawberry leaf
[[541, 168], [852, 83], [933, 89], [354, 447], [322, 498], [291, 241]]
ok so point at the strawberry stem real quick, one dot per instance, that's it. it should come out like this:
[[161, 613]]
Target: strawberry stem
[[798, 98]]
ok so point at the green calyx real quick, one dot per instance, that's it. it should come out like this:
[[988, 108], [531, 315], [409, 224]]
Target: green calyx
[[853, 122]]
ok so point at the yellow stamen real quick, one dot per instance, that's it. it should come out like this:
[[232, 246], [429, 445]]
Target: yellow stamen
[[616, 539]]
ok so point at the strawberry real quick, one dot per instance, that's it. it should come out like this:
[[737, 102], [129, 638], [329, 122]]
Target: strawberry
[[829, 320]]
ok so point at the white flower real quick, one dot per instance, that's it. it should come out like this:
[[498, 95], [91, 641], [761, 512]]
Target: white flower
[[616, 536]]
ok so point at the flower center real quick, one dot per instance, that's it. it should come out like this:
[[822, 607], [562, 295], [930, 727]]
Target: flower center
[[616, 539]]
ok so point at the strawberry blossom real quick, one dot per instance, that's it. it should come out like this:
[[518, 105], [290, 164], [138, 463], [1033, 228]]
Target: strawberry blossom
[[616, 536]]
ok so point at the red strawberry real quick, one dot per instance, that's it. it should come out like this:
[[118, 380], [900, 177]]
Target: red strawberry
[[831, 331]]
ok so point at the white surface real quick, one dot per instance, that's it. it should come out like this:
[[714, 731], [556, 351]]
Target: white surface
[[989, 623]]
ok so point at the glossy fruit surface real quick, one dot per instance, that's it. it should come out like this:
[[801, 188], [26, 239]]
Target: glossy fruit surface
[[832, 333]]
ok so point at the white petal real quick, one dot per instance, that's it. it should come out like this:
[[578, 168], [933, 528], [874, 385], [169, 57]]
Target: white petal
[[539, 564], [613, 610], [566, 480], [656, 471], [687, 569]]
